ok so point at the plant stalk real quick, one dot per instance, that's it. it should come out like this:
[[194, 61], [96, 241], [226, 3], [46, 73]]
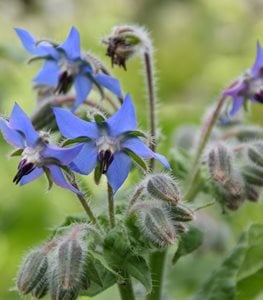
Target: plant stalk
[[152, 100], [111, 206], [206, 132], [126, 289], [157, 262]]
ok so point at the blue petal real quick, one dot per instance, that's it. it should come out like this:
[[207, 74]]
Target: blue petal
[[140, 149], [109, 83], [30, 44], [37, 172], [258, 65], [124, 119], [71, 46], [59, 179], [86, 160], [20, 121], [237, 103], [83, 87], [49, 74], [63, 155], [73, 127], [118, 170], [10, 135]]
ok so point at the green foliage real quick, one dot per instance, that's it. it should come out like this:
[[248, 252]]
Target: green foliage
[[242, 267]]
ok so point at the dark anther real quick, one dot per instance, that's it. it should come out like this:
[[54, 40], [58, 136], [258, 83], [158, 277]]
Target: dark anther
[[105, 159], [64, 83], [112, 52], [24, 168], [259, 96]]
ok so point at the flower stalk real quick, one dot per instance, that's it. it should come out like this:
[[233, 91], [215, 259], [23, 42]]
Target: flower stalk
[[111, 206]]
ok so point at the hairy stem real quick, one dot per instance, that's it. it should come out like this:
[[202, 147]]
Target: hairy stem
[[83, 200], [157, 261], [111, 206], [205, 135], [151, 96], [126, 289]]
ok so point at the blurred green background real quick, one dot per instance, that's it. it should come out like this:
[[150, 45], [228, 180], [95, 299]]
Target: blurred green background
[[200, 47]]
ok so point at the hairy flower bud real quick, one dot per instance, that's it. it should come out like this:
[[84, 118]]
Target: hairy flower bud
[[163, 187], [180, 213], [255, 153], [32, 270], [252, 193], [68, 267], [156, 223], [253, 174], [220, 163], [41, 289]]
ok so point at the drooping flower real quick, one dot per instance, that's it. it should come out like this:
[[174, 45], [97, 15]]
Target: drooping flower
[[65, 65], [37, 155], [249, 85], [108, 143]]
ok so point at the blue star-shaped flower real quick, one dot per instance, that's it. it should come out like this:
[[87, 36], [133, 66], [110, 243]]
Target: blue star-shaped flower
[[249, 85], [65, 65], [108, 143], [37, 155]]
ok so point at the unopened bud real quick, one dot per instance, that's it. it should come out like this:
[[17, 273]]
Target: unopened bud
[[180, 228], [41, 289], [158, 227], [252, 193], [245, 133], [163, 187], [180, 213], [32, 270], [255, 153], [253, 175], [220, 163], [68, 267]]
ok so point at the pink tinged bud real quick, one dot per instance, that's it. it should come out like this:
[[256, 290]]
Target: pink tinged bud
[[32, 271], [66, 279]]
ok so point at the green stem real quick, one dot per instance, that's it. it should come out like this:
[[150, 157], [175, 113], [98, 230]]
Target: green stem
[[126, 290], [157, 261], [151, 96], [205, 135], [111, 206]]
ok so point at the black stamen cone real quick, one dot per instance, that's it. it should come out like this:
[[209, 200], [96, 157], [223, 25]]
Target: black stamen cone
[[65, 82], [24, 168], [105, 158]]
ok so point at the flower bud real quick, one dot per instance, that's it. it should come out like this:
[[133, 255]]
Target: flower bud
[[157, 226], [68, 268], [163, 187], [253, 175], [252, 193], [180, 213], [41, 289], [220, 163], [255, 153], [32, 270]]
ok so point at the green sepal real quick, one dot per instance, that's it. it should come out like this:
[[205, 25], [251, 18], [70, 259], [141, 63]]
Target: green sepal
[[135, 133], [73, 141], [137, 159], [36, 58], [97, 174], [16, 152], [49, 179], [189, 242], [99, 118]]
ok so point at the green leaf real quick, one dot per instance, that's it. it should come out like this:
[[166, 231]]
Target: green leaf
[[240, 274], [16, 152], [138, 268], [189, 242], [73, 141], [137, 159], [99, 274]]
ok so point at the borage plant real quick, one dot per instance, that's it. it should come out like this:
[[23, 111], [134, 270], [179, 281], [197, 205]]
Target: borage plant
[[127, 243]]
